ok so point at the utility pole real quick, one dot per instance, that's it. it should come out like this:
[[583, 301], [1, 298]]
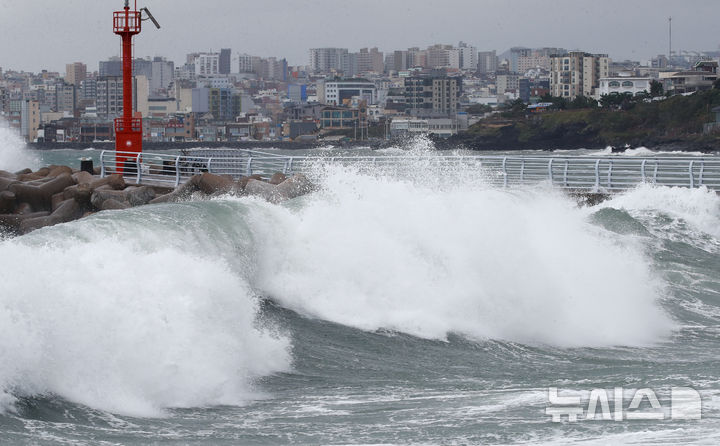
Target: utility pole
[[669, 40]]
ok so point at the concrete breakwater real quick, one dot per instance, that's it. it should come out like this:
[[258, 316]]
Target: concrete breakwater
[[59, 194]]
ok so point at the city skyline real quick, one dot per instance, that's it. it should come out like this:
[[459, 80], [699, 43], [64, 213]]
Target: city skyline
[[269, 29]]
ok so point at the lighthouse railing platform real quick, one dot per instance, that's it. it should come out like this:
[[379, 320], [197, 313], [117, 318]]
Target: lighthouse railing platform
[[605, 174]]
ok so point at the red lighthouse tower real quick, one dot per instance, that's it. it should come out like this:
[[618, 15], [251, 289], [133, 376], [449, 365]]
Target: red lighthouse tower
[[128, 128]]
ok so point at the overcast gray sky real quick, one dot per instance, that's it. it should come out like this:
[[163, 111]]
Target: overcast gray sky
[[37, 34]]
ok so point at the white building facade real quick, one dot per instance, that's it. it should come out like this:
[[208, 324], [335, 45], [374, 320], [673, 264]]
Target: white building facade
[[622, 85]]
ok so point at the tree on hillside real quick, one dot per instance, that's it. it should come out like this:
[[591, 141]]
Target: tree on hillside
[[582, 102], [558, 103], [656, 88], [478, 109]]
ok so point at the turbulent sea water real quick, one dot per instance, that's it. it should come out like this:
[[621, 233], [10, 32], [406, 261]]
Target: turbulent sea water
[[412, 309]]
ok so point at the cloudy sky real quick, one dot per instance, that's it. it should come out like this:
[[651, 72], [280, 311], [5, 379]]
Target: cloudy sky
[[37, 34]]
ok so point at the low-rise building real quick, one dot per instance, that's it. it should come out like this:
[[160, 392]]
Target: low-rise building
[[623, 85]]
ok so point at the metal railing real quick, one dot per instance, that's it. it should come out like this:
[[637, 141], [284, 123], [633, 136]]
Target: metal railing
[[591, 174], [175, 169]]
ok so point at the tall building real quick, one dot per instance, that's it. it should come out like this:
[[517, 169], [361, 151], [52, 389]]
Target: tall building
[[75, 73], [327, 60], [271, 68], [445, 94], [66, 97], [370, 60], [110, 67], [443, 56], [207, 64], [162, 73], [487, 62], [468, 56], [577, 73], [109, 100], [222, 103], [30, 119], [245, 63], [506, 83], [426, 95], [400, 61], [224, 61]]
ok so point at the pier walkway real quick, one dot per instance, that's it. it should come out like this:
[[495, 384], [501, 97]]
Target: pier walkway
[[592, 174]]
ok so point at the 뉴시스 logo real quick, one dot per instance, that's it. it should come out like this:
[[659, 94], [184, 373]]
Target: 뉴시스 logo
[[685, 404]]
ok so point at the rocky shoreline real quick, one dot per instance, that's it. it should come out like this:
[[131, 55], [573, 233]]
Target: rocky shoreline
[[59, 194]]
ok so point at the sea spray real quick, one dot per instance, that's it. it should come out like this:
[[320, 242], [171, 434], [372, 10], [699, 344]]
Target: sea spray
[[430, 258], [698, 207], [131, 313], [14, 155]]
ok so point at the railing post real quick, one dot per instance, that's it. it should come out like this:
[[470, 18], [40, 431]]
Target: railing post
[[642, 170], [290, 165], [690, 171], [177, 171], [248, 169], [522, 171], [655, 173], [597, 175], [102, 164], [504, 167], [702, 170], [207, 166], [139, 168], [609, 177], [550, 172], [565, 171]]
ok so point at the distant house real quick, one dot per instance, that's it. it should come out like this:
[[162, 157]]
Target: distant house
[[623, 85], [701, 77]]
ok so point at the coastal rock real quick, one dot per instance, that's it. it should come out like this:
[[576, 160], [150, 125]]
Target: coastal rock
[[56, 171], [6, 182], [138, 196], [25, 209], [114, 181], [23, 172], [66, 211], [293, 187], [243, 181], [99, 197], [210, 183], [7, 202], [277, 178], [56, 200], [12, 222], [261, 189], [6, 174], [31, 224], [83, 177], [112, 203]]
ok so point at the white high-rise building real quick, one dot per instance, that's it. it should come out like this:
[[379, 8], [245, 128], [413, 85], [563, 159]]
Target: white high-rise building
[[325, 60], [468, 56], [207, 64], [245, 63]]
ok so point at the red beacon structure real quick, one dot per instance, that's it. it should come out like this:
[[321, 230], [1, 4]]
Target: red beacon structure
[[128, 128]]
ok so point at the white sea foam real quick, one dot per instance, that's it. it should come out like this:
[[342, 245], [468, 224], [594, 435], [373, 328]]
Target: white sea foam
[[14, 155], [699, 207], [434, 257], [125, 326]]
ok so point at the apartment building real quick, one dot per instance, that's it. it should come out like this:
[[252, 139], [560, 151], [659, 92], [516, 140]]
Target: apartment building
[[577, 73], [326, 60]]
